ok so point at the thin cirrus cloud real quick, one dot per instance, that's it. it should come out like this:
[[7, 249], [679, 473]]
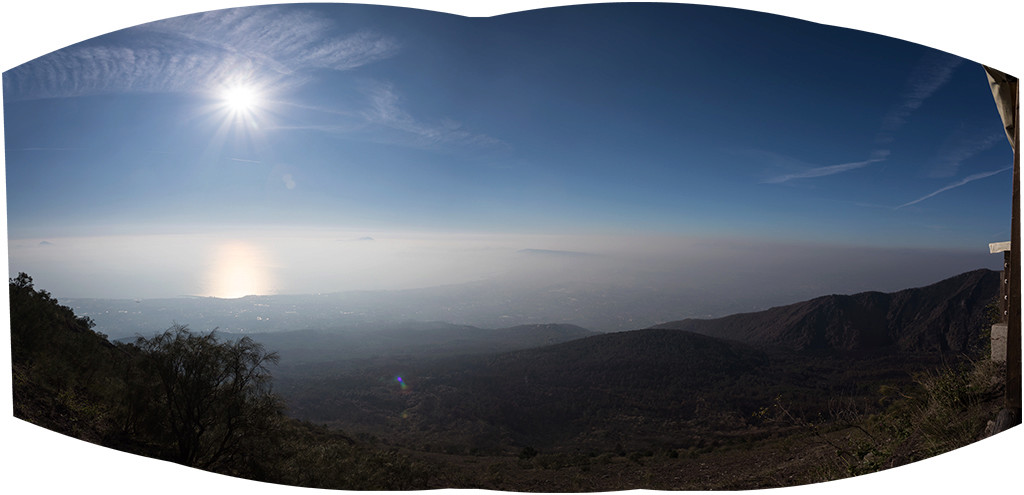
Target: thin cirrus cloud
[[965, 180], [385, 111], [244, 160], [931, 74], [381, 117], [198, 53], [269, 47], [88, 70], [823, 171], [283, 40], [952, 154]]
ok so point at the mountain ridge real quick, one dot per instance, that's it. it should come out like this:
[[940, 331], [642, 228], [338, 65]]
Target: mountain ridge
[[945, 316]]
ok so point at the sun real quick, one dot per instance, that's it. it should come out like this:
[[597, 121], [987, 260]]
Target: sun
[[241, 99], [239, 107]]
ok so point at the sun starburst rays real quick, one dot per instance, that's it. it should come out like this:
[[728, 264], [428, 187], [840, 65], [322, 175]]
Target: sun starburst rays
[[242, 105], [239, 110]]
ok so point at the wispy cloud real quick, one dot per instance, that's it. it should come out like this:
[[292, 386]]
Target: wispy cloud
[[380, 115], [823, 171], [385, 110], [198, 53], [285, 40], [925, 79], [110, 69], [933, 72], [965, 180], [958, 150], [270, 47]]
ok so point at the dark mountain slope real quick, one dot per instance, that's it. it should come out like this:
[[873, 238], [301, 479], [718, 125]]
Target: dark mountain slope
[[945, 316], [662, 387], [644, 373], [620, 383], [61, 367], [526, 336], [659, 358]]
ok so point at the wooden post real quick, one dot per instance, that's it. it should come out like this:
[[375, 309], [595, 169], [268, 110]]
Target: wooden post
[[1013, 342], [1004, 289], [999, 329], [1006, 93], [1004, 278]]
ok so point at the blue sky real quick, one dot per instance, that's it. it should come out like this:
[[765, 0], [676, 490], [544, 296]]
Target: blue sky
[[559, 129]]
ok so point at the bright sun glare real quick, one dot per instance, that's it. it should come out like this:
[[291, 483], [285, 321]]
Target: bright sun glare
[[241, 98], [242, 105]]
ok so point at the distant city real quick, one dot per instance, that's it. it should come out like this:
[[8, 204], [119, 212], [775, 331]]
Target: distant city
[[598, 307]]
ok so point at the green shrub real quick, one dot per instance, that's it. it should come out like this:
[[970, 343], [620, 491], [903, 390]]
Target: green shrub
[[950, 414]]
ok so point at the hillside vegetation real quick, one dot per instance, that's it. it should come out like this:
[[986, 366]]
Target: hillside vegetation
[[179, 396], [449, 407]]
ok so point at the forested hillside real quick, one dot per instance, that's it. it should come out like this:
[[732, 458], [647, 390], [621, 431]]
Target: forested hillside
[[180, 396]]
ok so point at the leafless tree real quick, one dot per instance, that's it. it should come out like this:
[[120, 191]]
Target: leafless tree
[[215, 395]]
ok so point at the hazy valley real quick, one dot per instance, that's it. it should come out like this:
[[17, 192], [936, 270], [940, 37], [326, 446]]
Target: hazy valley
[[821, 389], [487, 304]]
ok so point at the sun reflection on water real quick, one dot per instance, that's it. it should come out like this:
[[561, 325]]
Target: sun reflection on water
[[237, 270]]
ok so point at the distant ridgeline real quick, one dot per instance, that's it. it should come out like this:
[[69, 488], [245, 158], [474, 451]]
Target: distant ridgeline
[[946, 316]]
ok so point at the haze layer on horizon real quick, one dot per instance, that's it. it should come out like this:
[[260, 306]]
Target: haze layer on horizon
[[321, 148]]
